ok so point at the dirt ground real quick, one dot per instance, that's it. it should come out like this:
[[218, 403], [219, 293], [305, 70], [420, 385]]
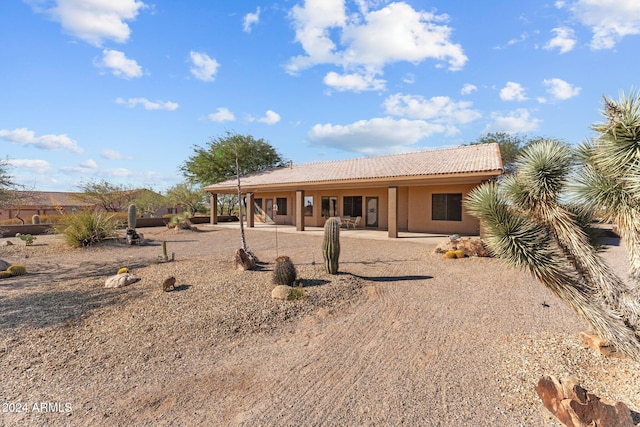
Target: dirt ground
[[400, 336]]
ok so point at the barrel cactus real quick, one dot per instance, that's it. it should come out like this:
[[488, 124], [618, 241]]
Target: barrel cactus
[[131, 218], [17, 269], [284, 272], [5, 274], [331, 245], [123, 270], [450, 255]]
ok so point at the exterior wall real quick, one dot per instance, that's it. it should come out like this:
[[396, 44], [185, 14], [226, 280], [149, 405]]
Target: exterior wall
[[420, 211], [414, 208]]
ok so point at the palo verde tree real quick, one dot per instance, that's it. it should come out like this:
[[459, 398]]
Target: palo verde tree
[[216, 162], [110, 197], [528, 223], [6, 181], [231, 157], [190, 197]]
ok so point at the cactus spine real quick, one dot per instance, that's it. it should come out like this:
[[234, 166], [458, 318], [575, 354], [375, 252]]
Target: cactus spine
[[35, 219], [284, 272], [17, 270], [131, 219], [331, 245]]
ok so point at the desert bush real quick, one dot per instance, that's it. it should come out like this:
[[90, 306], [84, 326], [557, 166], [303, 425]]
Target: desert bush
[[86, 228], [181, 221]]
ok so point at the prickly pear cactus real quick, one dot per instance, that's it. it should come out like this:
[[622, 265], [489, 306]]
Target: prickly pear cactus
[[331, 245], [284, 272]]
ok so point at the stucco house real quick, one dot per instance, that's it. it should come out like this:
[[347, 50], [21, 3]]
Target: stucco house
[[417, 192]]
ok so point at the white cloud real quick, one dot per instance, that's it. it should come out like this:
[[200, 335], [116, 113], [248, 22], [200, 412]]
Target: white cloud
[[270, 118], [513, 92], [440, 109], [409, 78], [518, 121], [89, 164], [561, 89], [204, 67], [565, 40], [148, 105], [353, 82], [38, 166], [609, 20], [111, 154], [120, 65], [222, 115], [468, 88], [25, 136], [375, 136], [250, 19], [368, 40], [94, 21]]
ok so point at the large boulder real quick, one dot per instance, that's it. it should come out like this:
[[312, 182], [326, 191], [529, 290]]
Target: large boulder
[[575, 407], [120, 280], [470, 246], [4, 265]]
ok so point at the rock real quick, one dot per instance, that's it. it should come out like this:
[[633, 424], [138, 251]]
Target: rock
[[120, 280], [282, 292], [6, 243], [4, 265], [470, 246], [598, 344], [575, 407], [244, 260]]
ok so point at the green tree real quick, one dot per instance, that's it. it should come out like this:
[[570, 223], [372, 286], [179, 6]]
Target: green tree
[[148, 201], [6, 181], [217, 161], [511, 145], [110, 197], [188, 196], [528, 223]]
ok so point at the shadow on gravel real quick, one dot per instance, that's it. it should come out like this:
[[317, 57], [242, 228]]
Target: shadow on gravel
[[391, 278], [56, 308], [307, 283]]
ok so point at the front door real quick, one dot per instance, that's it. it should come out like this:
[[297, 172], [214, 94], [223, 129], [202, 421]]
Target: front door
[[268, 210], [372, 212]]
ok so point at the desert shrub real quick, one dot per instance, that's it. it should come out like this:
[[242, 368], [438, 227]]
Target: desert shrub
[[86, 228], [181, 221]]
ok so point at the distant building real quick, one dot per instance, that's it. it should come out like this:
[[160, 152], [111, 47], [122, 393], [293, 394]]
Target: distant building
[[29, 203]]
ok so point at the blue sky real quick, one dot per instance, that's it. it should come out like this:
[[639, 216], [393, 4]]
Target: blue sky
[[122, 90]]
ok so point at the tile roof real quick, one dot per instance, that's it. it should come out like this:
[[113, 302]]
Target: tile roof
[[51, 198], [459, 160]]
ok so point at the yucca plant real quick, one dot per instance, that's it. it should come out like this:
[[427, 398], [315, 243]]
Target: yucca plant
[[528, 223]]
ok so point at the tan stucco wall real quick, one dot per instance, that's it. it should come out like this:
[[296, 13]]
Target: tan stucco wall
[[414, 208]]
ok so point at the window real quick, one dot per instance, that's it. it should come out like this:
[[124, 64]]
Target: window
[[446, 207], [352, 206], [282, 205], [308, 205], [329, 206], [257, 205]]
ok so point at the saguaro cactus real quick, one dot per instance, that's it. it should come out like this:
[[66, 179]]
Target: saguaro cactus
[[331, 245], [131, 219]]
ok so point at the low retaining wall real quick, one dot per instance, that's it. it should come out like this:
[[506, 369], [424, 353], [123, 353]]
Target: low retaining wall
[[35, 229]]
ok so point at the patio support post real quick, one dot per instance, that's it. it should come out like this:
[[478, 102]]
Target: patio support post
[[213, 201], [299, 210], [250, 210], [393, 212]]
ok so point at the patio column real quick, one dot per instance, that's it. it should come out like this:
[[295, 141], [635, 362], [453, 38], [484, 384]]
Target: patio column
[[250, 210], [213, 201], [393, 212], [299, 210]]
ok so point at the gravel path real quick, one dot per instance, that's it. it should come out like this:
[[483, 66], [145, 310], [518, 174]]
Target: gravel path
[[401, 336]]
